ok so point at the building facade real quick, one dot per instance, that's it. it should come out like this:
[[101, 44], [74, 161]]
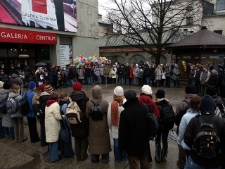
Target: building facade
[[55, 33]]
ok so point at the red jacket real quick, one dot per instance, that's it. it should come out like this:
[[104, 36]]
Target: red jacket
[[148, 100], [131, 72]]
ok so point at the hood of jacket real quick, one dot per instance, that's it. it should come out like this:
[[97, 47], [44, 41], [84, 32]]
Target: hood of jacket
[[217, 99], [14, 76], [50, 102], [44, 93], [11, 94], [190, 110], [97, 92], [162, 101], [145, 98], [44, 98], [130, 102], [78, 96], [3, 93]]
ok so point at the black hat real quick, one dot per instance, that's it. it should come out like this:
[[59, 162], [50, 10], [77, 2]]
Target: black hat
[[160, 94], [207, 105], [211, 90], [190, 89], [211, 68], [6, 85], [130, 94]]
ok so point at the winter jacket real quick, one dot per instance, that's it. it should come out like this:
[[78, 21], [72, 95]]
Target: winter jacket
[[52, 121], [133, 128], [136, 72], [106, 71], [197, 75], [15, 79], [183, 124], [81, 73], [158, 73], [29, 95], [97, 71], [114, 128], [40, 76], [42, 100], [4, 78], [182, 105], [191, 131], [99, 140], [87, 72], [3, 94], [176, 73], [131, 72], [127, 71], [121, 72], [203, 77], [167, 71], [148, 100], [113, 72], [192, 74], [17, 97], [80, 130]]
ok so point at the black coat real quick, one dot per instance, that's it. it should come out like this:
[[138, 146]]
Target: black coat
[[190, 133], [80, 130], [42, 100], [127, 71], [133, 128]]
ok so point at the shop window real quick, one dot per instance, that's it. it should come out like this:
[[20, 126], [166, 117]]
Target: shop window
[[220, 5], [189, 21], [13, 52], [3, 53], [218, 31]]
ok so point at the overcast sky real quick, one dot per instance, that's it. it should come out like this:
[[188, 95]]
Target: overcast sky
[[103, 3]]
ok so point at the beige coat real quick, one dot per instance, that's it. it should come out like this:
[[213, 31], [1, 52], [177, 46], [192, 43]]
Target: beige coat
[[52, 122], [158, 73], [99, 140]]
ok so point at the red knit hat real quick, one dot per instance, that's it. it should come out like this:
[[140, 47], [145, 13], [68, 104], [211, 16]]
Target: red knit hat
[[41, 87], [77, 86]]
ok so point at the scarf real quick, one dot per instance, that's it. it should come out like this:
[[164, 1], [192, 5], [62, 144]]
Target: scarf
[[115, 113]]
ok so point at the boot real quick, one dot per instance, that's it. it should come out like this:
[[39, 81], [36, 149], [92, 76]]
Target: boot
[[164, 155], [158, 153]]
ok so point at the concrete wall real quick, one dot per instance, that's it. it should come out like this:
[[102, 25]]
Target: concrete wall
[[215, 23]]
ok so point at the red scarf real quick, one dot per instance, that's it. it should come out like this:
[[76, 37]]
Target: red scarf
[[115, 113]]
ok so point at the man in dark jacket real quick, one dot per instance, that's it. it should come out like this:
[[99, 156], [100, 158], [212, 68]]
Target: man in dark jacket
[[209, 156], [133, 131]]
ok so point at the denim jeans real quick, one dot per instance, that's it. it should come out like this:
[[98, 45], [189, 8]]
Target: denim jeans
[[190, 164], [89, 80], [122, 80], [71, 81], [132, 81], [9, 132], [53, 151], [2, 132], [99, 79], [127, 81], [147, 80], [164, 135], [65, 83], [119, 155]]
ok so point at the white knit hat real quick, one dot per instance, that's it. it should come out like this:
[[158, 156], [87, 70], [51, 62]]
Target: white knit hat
[[118, 91], [146, 89], [1, 84]]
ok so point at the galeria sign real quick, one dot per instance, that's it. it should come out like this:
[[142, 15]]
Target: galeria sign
[[24, 36]]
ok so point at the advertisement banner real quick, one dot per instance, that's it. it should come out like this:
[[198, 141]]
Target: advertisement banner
[[64, 55], [49, 14], [24, 36]]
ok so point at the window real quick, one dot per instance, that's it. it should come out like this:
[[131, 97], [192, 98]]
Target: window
[[189, 21], [220, 5], [218, 31]]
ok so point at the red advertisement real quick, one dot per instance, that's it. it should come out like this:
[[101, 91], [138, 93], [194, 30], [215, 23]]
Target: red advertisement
[[24, 36], [39, 6]]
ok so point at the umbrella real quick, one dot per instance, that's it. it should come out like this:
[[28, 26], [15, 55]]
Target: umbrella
[[40, 64]]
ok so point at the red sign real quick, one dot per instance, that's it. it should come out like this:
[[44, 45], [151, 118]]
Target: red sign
[[39, 6], [24, 36]]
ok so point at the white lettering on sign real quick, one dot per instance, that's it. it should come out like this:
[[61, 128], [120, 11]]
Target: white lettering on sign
[[13, 35], [186, 57], [214, 57], [50, 38]]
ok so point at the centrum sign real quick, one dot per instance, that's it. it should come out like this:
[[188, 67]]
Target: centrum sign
[[24, 36]]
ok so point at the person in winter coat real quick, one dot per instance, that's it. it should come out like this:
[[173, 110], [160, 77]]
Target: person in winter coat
[[152, 74], [3, 77], [222, 81], [132, 75], [113, 72], [191, 112], [80, 131], [121, 73], [133, 138], [192, 75], [175, 76], [163, 131], [16, 79], [7, 127], [52, 126], [46, 91], [197, 80], [106, 73], [40, 76], [97, 72], [113, 117], [181, 107], [199, 156], [204, 77], [145, 97], [99, 140], [17, 117], [88, 74], [146, 74], [167, 72], [31, 116], [127, 73], [81, 73], [158, 75], [136, 75]]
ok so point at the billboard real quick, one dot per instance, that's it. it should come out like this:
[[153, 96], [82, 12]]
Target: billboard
[[48, 14]]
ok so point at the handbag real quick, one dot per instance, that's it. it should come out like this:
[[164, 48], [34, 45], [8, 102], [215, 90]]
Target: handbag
[[163, 76], [64, 134]]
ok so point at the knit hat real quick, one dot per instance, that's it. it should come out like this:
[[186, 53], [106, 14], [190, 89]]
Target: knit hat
[[1, 84], [41, 87], [118, 91], [160, 94], [146, 89], [77, 86], [130, 94], [207, 104], [32, 85], [211, 90], [48, 89]]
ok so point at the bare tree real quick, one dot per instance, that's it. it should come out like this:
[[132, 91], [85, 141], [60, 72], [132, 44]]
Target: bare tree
[[151, 24]]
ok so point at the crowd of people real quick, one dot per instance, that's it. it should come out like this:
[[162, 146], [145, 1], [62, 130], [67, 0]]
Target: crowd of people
[[199, 119]]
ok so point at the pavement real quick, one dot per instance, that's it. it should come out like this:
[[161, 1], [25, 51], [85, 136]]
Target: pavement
[[27, 155]]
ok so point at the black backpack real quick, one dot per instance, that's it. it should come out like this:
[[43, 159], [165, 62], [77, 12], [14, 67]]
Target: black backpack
[[167, 117], [181, 113], [3, 105], [207, 142], [213, 80], [96, 113], [153, 124], [40, 111], [23, 105]]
